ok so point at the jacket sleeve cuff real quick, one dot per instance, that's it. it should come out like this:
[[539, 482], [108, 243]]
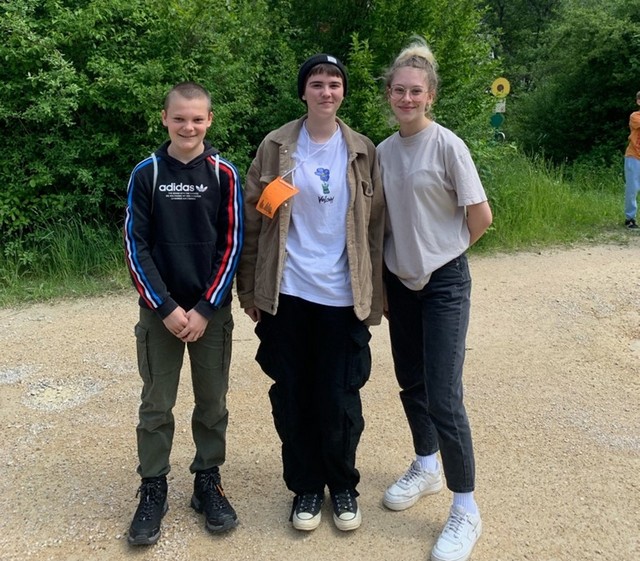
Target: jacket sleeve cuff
[[204, 309], [166, 308], [373, 319], [246, 300]]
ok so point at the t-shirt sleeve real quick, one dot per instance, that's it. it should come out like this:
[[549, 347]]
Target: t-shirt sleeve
[[464, 177]]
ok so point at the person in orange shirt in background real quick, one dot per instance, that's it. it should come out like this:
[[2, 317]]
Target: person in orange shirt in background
[[632, 169]]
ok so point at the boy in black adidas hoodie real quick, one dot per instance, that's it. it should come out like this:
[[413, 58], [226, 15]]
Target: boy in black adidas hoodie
[[183, 237]]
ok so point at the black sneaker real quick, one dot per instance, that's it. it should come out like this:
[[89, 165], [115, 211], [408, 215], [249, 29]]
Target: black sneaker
[[145, 527], [346, 513], [630, 223], [306, 512], [209, 498]]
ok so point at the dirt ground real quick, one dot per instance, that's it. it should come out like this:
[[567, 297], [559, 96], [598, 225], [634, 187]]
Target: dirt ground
[[552, 389]]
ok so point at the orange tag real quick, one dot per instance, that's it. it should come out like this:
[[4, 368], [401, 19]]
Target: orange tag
[[274, 194]]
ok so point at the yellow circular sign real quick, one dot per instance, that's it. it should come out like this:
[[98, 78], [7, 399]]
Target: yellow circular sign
[[500, 87]]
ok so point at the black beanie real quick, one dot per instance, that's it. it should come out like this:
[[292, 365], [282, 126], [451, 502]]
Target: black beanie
[[308, 64]]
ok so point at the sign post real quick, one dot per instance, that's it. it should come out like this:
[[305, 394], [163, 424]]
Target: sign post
[[500, 89]]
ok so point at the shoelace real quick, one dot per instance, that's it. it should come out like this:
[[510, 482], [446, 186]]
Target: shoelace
[[343, 502], [454, 524], [151, 497], [308, 502], [410, 475], [213, 489]]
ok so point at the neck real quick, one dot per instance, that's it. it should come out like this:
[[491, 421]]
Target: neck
[[184, 157], [320, 131], [409, 129]]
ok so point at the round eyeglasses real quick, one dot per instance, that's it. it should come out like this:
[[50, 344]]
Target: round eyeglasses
[[398, 92]]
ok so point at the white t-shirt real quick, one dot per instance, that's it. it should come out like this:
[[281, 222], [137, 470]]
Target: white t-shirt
[[316, 267], [428, 179]]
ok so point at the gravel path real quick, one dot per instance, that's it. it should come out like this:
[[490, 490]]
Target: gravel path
[[552, 390]]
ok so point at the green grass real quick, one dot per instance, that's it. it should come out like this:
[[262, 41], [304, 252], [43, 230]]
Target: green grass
[[535, 205], [538, 205], [63, 260]]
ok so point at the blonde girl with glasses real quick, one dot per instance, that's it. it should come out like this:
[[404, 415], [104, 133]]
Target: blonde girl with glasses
[[436, 208]]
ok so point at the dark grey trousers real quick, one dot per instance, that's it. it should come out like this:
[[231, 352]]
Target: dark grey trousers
[[428, 330]]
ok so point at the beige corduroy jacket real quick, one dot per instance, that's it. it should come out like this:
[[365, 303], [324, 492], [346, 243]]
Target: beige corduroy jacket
[[264, 253]]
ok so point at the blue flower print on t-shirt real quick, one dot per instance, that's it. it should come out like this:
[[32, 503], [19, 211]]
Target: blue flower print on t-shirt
[[324, 174]]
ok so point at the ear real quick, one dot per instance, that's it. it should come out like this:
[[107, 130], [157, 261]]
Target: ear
[[210, 119], [164, 117]]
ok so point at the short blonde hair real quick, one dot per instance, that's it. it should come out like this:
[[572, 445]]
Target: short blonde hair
[[188, 90]]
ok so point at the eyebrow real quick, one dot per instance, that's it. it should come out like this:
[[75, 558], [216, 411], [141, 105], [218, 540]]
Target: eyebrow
[[333, 80], [181, 116]]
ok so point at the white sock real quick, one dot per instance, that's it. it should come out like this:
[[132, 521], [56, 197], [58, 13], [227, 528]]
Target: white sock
[[466, 502], [428, 463]]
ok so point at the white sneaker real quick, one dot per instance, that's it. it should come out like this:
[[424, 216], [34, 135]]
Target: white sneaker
[[460, 534], [415, 483]]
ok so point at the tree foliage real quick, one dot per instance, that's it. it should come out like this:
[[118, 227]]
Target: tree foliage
[[518, 27], [369, 35], [584, 83], [82, 84]]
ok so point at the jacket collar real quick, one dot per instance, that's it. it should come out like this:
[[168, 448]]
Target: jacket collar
[[287, 135]]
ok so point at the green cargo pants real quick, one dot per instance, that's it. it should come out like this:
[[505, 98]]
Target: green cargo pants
[[160, 357]]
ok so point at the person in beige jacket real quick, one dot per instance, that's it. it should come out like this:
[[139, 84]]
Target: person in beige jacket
[[311, 277]]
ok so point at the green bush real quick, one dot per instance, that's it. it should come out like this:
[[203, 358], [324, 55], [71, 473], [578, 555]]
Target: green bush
[[584, 84], [82, 85]]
